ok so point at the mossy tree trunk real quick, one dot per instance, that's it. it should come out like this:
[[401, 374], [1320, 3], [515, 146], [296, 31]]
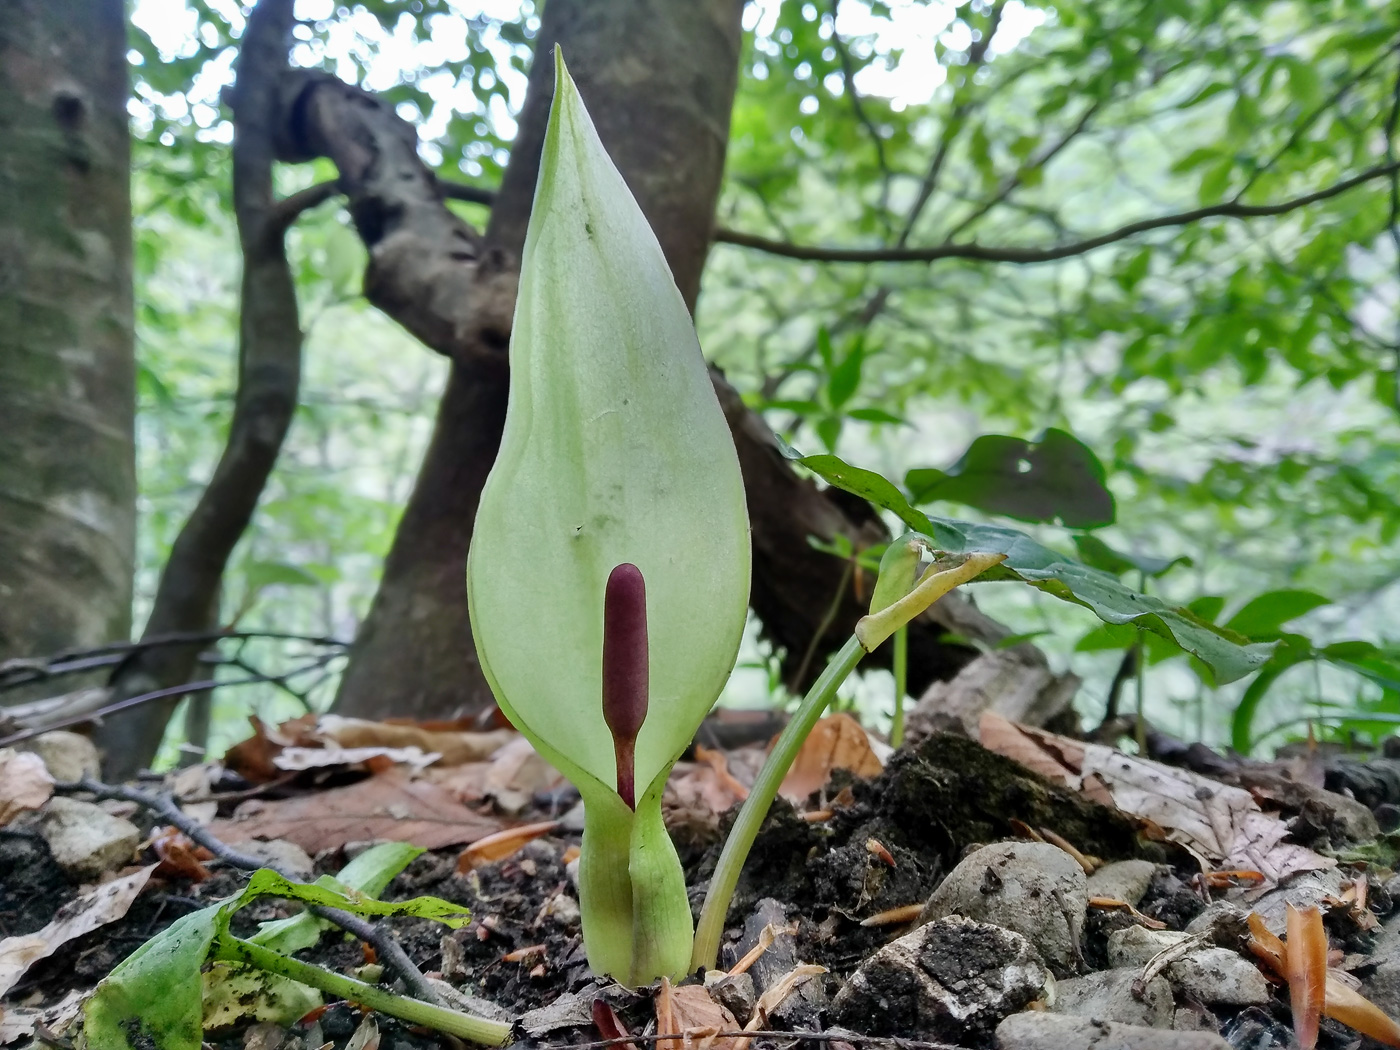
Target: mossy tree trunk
[[67, 369]]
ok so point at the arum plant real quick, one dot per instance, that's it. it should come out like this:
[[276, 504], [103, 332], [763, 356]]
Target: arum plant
[[609, 569], [913, 575]]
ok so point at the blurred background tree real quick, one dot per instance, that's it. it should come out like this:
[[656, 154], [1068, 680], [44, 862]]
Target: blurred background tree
[[1169, 230]]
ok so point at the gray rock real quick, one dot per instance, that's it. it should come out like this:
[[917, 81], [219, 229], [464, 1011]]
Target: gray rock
[[84, 838], [1194, 1019], [1301, 890], [1204, 972], [952, 980], [68, 756], [1037, 1030], [734, 992], [1123, 880], [1109, 995], [1382, 984], [1033, 888], [1218, 915]]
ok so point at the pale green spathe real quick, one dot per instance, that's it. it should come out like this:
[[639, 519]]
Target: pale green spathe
[[615, 450]]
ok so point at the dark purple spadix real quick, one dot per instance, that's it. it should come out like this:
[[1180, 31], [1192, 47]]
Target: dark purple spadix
[[625, 670]]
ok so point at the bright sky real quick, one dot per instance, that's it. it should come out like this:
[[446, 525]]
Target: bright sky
[[910, 78]]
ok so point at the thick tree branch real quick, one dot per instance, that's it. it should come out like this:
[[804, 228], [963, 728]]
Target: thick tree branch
[[1233, 209], [269, 377]]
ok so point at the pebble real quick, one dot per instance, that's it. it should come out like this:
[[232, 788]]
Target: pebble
[[1033, 888], [734, 992], [1206, 973], [951, 980], [1109, 995], [85, 839], [1123, 880], [68, 756], [1303, 889], [1037, 1030]]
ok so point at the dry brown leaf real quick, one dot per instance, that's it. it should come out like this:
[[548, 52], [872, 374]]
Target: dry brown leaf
[[1221, 823], [696, 1015], [1054, 757], [25, 783], [388, 807], [1354, 1010], [453, 747], [836, 742], [517, 774], [501, 844], [377, 759], [179, 857], [252, 758], [1306, 959], [107, 903], [609, 1025]]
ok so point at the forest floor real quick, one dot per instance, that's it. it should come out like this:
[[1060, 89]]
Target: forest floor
[[922, 896]]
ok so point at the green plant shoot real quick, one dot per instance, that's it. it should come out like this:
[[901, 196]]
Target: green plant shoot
[[609, 569]]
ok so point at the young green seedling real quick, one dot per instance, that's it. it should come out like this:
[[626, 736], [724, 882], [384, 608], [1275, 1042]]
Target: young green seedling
[[609, 569]]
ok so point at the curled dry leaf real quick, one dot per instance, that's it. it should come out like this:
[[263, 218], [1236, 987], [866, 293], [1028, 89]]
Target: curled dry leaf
[[1306, 960], [454, 747], [609, 1025], [697, 1017], [1341, 1002], [836, 742], [179, 857], [25, 783], [502, 844]]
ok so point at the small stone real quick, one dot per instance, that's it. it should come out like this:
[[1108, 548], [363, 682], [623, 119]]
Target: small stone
[[1110, 995], [564, 910], [85, 839], [1123, 880], [287, 857], [1033, 888], [1194, 1019], [1218, 914], [1301, 890], [1037, 1030], [68, 756], [1382, 984], [952, 980], [734, 992], [1204, 972]]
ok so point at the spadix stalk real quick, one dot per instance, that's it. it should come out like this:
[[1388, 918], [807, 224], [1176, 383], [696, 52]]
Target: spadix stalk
[[609, 569]]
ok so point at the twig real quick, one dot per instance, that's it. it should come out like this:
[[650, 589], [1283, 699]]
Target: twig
[[1231, 209], [388, 949], [23, 670], [205, 685]]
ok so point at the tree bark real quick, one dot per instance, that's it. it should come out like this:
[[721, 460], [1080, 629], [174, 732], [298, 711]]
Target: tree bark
[[659, 81], [67, 368]]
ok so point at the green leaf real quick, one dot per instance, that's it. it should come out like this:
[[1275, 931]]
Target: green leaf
[[1227, 654], [260, 574], [154, 998], [845, 377], [369, 873], [1266, 614], [876, 415], [1056, 478]]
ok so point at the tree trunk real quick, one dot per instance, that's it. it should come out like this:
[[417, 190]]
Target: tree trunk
[[659, 79], [67, 369]]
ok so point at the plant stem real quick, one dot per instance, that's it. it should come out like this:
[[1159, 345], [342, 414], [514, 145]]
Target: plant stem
[[755, 809], [901, 684], [465, 1026]]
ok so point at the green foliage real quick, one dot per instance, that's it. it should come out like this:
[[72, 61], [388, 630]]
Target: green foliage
[[155, 997]]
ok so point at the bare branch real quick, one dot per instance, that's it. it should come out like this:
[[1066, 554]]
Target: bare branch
[[269, 378], [987, 253], [289, 209]]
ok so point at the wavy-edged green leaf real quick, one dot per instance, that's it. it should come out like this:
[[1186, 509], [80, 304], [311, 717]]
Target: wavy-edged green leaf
[[1230, 656], [1056, 478]]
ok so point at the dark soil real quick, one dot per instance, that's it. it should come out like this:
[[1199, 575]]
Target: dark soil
[[523, 949]]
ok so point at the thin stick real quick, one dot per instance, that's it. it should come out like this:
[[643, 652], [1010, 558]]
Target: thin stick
[[387, 948]]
